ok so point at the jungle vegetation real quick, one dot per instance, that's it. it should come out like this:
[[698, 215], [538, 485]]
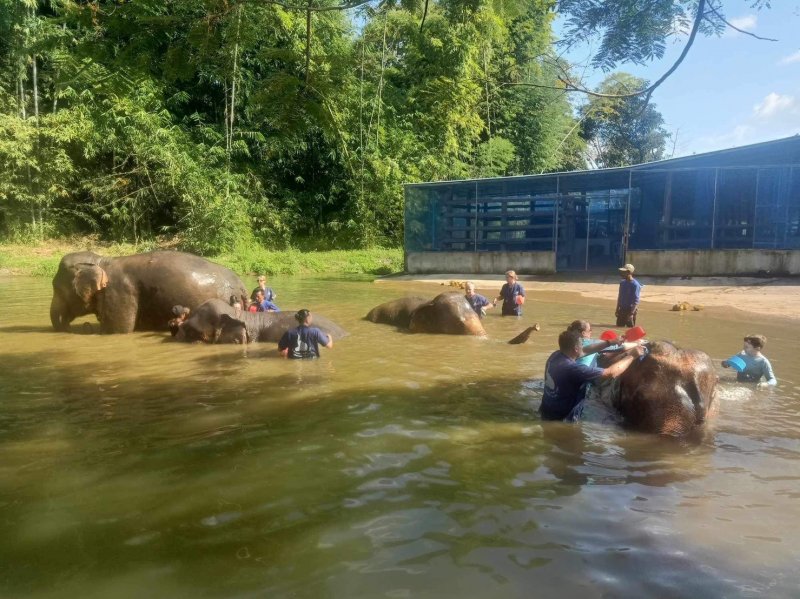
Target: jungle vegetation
[[228, 124]]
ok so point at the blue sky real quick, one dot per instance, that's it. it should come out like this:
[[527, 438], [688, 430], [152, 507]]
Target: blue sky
[[731, 90]]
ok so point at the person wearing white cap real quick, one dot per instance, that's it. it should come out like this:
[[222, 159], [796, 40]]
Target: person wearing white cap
[[628, 298]]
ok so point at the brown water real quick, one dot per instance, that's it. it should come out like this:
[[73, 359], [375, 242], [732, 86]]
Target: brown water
[[397, 465]]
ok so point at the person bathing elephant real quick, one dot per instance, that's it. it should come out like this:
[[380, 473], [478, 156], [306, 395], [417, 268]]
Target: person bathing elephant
[[447, 313], [136, 292], [216, 321]]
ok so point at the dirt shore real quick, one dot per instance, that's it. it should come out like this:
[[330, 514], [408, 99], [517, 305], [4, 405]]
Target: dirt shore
[[774, 297]]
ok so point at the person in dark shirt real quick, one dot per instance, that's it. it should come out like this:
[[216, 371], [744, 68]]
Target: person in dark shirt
[[303, 341], [564, 378], [512, 294], [627, 298], [478, 302]]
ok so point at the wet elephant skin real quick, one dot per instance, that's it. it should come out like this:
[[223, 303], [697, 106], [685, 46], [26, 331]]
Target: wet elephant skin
[[447, 313], [136, 292]]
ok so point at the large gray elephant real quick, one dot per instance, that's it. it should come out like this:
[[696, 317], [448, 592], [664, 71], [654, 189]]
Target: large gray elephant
[[136, 292], [670, 391], [447, 313], [216, 321]]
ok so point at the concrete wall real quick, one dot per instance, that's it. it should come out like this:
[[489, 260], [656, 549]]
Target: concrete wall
[[480, 262], [704, 263]]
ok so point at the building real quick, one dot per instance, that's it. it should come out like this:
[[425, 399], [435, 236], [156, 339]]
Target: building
[[730, 212]]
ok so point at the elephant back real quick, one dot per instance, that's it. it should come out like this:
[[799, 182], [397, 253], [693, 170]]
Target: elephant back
[[396, 312], [448, 313]]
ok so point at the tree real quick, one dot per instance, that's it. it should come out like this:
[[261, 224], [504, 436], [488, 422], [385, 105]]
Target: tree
[[622, 131]]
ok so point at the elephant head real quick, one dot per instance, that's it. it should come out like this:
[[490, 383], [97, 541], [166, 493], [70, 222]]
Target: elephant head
[[232, 330], [77, 288], [670, 391], [447, 313]]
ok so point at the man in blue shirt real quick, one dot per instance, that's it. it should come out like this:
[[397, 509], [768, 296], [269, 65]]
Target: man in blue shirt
[[564, 378], [478, 302], [628, 297], [303, 342]]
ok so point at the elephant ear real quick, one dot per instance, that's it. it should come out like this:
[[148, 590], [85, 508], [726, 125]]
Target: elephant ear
[[89, 280]]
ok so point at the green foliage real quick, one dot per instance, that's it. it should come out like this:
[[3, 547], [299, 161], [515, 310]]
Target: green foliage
[[623, 131], [230, 125]]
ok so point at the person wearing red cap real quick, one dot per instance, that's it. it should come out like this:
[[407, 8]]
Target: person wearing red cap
[[628, 297]]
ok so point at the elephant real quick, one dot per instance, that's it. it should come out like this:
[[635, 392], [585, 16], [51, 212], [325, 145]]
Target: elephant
[[216, 321], [447, 313], [669, 391], [135, 292], [397, 312]]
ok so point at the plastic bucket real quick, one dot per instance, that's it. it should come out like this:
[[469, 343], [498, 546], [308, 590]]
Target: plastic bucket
[[520, 299], [736, 363], [608, 335], [634, 334]]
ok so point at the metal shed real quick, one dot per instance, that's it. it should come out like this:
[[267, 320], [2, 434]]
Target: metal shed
[[734, 211]]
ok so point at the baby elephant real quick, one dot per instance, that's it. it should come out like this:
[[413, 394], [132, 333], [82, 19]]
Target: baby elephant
[[216, 321]]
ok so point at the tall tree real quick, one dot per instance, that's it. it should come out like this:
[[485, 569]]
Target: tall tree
[[622, 131]]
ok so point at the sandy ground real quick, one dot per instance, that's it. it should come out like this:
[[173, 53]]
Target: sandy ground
[[774, 297]]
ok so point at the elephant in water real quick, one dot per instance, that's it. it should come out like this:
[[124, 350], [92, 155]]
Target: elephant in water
[[669, 391], [448, 313], [136, 292], [216, 321]]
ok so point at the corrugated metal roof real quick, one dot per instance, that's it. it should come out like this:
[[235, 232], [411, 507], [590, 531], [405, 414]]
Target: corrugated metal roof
[[776, 152]]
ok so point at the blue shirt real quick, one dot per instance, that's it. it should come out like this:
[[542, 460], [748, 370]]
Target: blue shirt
[[477, 302], [629, 292], [510, 293], [754, 368], [267, 306], [563, 379], [590, 359], [303, 342]]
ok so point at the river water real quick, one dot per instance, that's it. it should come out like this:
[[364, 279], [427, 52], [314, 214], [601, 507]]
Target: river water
[[397, 465]]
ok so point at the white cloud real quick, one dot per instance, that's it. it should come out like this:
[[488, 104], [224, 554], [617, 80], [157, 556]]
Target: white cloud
[[792, 58], [774, 104], [747, 22]]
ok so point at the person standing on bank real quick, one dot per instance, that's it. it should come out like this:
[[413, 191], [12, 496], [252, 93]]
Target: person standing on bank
[[512, 294], [628, 298], [303, 341]]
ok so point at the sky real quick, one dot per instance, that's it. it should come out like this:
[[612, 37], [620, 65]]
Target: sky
[[731, 90]]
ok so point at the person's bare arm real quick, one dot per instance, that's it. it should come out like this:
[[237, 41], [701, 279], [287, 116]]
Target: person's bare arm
[[622, 365]]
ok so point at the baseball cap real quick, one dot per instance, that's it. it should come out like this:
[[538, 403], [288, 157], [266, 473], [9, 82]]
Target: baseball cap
[[627, 267]]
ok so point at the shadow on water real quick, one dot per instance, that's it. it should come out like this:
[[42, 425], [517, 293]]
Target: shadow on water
[[215, 479]]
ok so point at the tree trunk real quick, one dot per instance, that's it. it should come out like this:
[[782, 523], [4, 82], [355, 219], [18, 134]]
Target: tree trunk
[[308, 44]]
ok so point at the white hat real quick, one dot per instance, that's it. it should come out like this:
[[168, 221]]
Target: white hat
[[627, 268]]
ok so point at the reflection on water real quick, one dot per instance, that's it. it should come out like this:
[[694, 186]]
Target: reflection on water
[[397, 465]]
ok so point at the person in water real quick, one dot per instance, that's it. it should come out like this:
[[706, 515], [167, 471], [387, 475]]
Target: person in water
[[303, 341], [260, 304], [509, 293], [478, 302], [585, 329], [565, 379], [627, 298], [756, 364], [269, 294]]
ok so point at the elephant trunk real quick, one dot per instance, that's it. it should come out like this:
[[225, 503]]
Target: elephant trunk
[[58, 314]]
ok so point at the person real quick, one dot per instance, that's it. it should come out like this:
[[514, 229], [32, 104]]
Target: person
[[303, 341], [478, 302], [585, 329], [509, 293], [628, 297], [564, 378], [180, 313], [262, 305], [756, 364], [269, 294]]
